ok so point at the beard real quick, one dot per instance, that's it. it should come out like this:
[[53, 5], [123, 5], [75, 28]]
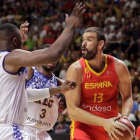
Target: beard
[[47, 68], [89, 55]]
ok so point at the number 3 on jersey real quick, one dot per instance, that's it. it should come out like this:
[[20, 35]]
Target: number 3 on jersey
[[47, 103], [42, 115], [98, 98]]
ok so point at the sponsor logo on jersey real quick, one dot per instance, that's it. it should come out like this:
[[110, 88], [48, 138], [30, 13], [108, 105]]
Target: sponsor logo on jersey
[[97, 108], [38, 121], [104, 84]]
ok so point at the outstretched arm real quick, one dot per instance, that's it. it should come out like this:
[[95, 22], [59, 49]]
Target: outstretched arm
[[60, 81], [21, 58], [39, 94]]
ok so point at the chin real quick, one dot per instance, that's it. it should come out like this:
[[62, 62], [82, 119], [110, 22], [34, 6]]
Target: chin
[[85, 57]]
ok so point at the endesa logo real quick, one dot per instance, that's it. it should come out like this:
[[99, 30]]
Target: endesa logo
[[97, 108]]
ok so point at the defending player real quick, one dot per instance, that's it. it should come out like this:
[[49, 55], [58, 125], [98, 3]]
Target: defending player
[[42, 114], [99, 78], [13, 60]]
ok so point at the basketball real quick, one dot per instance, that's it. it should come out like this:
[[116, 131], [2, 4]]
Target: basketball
[[130, 129]]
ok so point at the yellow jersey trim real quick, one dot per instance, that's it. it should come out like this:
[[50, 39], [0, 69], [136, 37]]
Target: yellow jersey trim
[[96, 73], [72, 129]]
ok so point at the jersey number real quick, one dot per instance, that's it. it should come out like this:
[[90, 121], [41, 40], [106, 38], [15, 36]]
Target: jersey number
[[98, 98], [48, 103], [43, 113]]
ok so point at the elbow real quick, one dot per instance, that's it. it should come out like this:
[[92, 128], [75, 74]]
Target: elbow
[[72, 114]]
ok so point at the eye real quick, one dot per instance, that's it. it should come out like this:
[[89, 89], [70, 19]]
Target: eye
[[89, 39]]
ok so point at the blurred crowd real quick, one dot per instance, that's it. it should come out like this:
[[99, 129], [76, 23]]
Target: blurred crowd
[[120, 19]]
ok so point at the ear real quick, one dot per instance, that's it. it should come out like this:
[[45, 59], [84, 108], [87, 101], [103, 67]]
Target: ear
[[101, 44], [15, 41]]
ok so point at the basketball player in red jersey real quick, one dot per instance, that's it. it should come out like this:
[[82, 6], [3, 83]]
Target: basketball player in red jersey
[[92, 105]]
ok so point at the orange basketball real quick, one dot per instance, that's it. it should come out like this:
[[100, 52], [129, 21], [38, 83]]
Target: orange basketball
[[130, 129]]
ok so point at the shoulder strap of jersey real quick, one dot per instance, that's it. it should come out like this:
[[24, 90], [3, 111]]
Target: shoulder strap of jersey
[[2, 57], [111, 63], [82, 62]]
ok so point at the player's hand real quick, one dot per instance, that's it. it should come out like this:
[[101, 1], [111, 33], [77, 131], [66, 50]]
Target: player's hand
[[68, 85], [112, 128], [24, 30], [125, 117], [75, 18]]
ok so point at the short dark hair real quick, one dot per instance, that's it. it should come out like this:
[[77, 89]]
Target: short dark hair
[[100, 33], [45, 46], [6, 29]]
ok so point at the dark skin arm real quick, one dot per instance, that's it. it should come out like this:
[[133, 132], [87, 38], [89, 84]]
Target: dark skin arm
[[20, 58], [60, 81], [36, 94]]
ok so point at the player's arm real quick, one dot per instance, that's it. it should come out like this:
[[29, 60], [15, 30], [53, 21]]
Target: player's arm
[[73, 102], [124, 86], [60, 81], [39, 94], [20, 58]]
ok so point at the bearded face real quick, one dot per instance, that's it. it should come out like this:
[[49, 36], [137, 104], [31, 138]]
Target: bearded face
[[89, 54], [89, 45]]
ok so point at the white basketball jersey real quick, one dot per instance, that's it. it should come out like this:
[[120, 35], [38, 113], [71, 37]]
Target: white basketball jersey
[[13, 96], [42, 114]]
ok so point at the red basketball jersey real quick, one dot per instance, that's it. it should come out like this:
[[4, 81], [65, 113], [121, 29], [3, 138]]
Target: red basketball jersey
[[99, 92]]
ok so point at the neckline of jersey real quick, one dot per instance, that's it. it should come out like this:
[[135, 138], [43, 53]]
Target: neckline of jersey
[[48, 77], [94, 72]]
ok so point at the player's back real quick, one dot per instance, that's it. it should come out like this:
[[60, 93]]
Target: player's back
[[13, 97]]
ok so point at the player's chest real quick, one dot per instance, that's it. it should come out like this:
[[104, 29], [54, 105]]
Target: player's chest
[[99, 88]]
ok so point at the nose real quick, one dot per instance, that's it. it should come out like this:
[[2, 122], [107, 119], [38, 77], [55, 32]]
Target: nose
[[84, 43]]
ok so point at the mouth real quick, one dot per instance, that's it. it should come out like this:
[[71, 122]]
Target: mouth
[[50, 65], [84, 50]]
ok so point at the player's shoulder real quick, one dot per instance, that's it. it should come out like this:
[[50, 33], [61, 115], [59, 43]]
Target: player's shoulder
[[75, 66], [75, 72], [120, 67], [119, 62]]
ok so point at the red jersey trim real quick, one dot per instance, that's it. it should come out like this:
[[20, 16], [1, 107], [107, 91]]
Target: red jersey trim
[[94, 72]]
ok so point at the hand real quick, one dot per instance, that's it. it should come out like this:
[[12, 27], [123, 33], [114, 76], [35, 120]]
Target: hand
[[112, 128], [125, 117], [24, 30], [75, 18], [68, 85]]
